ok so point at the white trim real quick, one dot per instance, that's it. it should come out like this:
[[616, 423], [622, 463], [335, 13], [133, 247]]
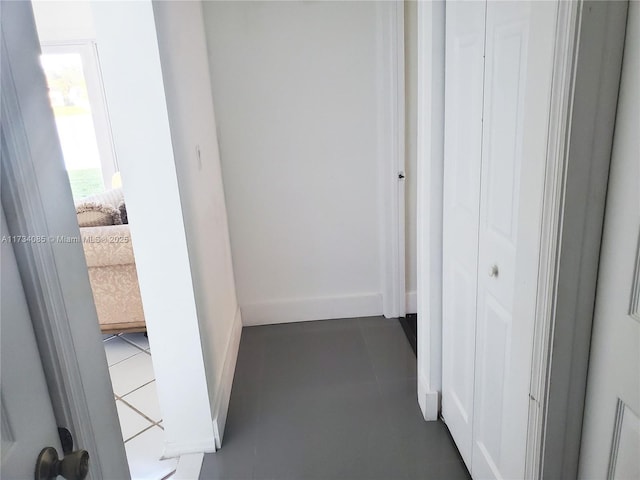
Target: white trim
[[62, 43], [428, 400], [411, 302], [221, 402], [54, 275], [391, 148], [223, 394], [559, 124], [307, 309], [615, 443], [189, 467], [584, 98], [634, 307], [431, 24], [204, 445]]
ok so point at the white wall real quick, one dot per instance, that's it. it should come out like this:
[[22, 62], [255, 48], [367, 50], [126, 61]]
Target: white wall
[[294, 85], [131, 67], [185, 68], [61, 21], [411, 147]]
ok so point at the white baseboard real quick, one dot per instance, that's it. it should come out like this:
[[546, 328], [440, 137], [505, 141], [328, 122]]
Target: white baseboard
[[307, 309], [189, 467], [223, 394], [172, 450], [412, 302], [428, 400]]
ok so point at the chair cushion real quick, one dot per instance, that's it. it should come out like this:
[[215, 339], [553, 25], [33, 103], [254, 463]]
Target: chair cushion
[[101, 209], [97, 215], [111, 197]]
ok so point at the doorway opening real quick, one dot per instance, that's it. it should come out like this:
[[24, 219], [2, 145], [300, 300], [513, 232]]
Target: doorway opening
[[72, 69]]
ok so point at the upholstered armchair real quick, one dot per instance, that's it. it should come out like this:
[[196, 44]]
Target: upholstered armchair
[[111, 263]]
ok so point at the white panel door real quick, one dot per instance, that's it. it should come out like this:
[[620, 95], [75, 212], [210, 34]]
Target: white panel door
[[517, 91], [611, 430], [28, 423], [462, 150], [499, 62]]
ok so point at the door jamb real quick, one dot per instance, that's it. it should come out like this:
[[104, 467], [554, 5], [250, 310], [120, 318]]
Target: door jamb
[[391, 161], [589, 45], [54, 273], [554, 189], [431, 30]]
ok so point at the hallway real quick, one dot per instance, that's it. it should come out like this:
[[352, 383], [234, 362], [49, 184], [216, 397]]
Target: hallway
[[333, 399]]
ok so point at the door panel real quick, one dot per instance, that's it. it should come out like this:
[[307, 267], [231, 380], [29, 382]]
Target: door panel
[[463, 120], [499, 65], [517, 89], [504, 128], [494, 330], [461, 388], [611, 428], [28, 423]]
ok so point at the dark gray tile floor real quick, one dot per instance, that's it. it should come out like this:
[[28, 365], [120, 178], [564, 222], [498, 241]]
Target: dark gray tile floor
[[333, 399]]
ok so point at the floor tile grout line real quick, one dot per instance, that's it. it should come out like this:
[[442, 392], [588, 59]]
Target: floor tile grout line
[[130, 356], [381, 381], [371, 353], [140, 433], [260, 380], [137, 388], [370, 358], [153, 423], [139, 411], [169, 475], [124, 359], [130, 342]]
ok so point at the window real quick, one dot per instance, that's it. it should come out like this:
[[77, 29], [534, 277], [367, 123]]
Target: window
[[77, 100]]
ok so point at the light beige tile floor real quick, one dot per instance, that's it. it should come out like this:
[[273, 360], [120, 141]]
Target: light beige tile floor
[[134, 389]]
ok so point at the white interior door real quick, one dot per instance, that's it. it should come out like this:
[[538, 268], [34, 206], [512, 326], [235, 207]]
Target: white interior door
[[28, 424], [36, 200], [499, 64], [517, 92], [464, 71], [611, 429]]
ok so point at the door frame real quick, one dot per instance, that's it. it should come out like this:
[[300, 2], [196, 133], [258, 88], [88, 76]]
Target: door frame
[[54, 272], [587, 63], [391, 155], [430, 172], [589, 48]]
